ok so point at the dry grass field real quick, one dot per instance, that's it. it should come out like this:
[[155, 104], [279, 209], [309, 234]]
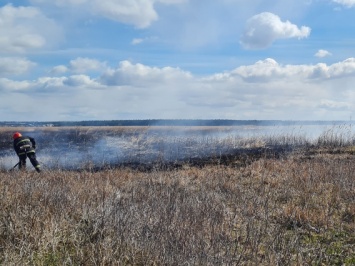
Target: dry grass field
[[254, 201]]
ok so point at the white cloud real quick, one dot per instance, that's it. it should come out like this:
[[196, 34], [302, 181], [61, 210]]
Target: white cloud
[[25, 28], [79, 80], [168, 89], [139, 74], [80, 65], [264, 90], [269, 70], [60, 2], [16, 35], [8, 85], [140, 13], [265, 28], [15, 65], [51, 84], [322, 53], [347, 3], [58, 70], [342, 69], [83, 65], [136, 41]]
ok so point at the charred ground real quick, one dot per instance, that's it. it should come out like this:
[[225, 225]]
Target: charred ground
[[153, 148], [145, 148]]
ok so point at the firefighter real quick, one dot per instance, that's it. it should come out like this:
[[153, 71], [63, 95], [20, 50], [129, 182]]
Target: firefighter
[[26, 147]]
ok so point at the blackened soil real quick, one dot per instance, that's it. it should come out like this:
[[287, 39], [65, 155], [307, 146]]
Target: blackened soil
[[236, 158]]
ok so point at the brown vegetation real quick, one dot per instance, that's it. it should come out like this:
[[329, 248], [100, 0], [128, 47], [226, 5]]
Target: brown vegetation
[[295, 209]]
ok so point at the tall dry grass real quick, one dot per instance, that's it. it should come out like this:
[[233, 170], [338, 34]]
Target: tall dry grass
[[273, 212]]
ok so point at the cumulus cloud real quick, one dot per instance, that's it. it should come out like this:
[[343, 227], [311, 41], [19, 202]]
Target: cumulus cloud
[[51, 84], [263, 90], [8, 85], [139, 74], [79, 80], [265, 28], [25, 28], [269, 70], [247, 88], [342, 69], [80, 65], [322, 53], [139, 13], [15, 65], [83, 65], [347, 3]]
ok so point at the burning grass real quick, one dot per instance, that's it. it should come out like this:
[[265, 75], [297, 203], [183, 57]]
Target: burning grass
[[297, 208]]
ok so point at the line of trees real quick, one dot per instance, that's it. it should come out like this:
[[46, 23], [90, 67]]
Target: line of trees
[[169, 122]]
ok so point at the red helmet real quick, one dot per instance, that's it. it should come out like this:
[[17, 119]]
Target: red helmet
[[17, 135]]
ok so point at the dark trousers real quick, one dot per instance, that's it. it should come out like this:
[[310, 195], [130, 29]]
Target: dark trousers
[[33, 160]]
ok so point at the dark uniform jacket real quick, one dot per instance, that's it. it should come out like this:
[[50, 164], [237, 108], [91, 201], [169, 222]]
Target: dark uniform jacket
[[24, 145]]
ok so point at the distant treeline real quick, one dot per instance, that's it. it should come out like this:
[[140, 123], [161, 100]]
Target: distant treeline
[[169, 122]]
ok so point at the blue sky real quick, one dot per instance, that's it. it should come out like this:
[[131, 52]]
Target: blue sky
[[177, 59]]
